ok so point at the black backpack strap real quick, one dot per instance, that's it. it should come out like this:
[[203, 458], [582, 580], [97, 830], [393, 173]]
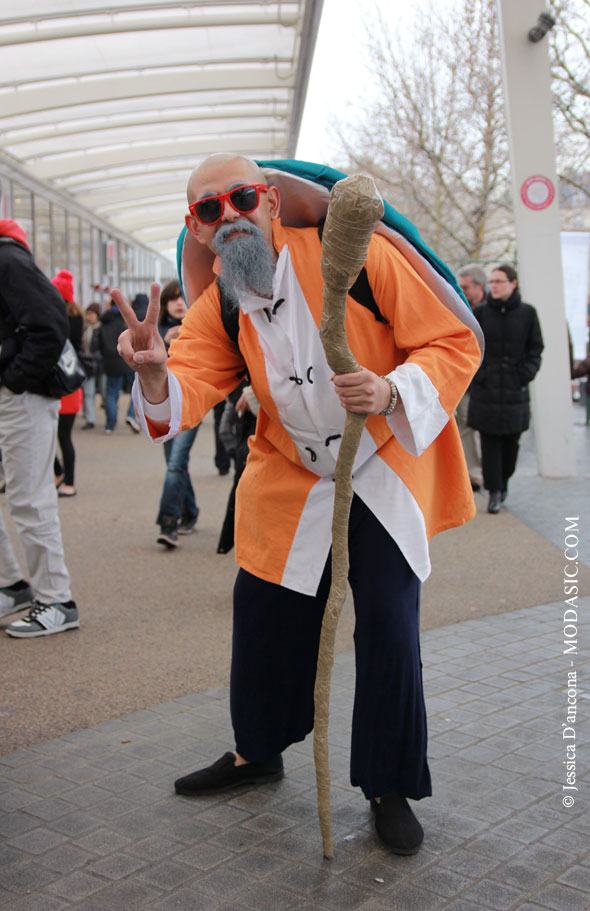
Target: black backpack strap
[[230, 317], [361, 291], [230, 314]]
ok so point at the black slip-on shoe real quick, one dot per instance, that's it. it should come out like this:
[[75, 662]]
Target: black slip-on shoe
[[495, 501], [224, 774], [396, 825]]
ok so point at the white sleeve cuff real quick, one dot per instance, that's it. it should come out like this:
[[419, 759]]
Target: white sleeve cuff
[[169, 411], [418, 417], [160, 412]]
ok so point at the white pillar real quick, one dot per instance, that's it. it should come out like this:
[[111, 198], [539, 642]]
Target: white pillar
[[527, 92]]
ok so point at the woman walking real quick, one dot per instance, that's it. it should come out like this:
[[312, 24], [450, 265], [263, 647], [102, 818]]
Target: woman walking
[[499, 394], [71, 404]]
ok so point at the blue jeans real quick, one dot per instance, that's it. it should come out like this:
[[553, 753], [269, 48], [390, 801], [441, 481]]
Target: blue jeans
[[114, 385], [178, 496]]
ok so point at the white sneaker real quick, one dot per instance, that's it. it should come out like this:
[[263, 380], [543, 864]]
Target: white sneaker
[[133, 424], [45, 619]]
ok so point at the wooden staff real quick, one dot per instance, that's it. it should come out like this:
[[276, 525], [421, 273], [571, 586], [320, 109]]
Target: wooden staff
[[355, 208]]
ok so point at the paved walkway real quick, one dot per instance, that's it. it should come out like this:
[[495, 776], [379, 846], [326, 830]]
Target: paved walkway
[[89, 820]]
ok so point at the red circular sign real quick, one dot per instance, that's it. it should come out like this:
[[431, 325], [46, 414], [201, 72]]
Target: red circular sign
[[537, 192]]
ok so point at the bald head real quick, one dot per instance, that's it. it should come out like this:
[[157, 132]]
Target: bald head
[[218, 175], [245, 166]]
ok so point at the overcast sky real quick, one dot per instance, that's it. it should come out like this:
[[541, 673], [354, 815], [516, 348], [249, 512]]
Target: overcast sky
[[340, 78]]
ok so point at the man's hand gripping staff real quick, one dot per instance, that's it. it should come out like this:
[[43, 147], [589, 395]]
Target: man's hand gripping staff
[[354, 210]]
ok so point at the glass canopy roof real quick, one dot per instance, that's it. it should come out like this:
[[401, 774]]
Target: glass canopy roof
[[116, 104]]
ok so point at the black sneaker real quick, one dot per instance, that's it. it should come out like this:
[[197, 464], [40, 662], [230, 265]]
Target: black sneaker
[[187, 526], [168, 537], [15, 597], [225, 774]]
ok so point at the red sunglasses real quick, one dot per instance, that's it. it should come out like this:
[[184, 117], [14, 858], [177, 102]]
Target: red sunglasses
[[243, 199]]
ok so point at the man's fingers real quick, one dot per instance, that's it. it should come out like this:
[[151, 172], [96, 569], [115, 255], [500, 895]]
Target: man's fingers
[[153, 310], [150, 357], [125, 309]]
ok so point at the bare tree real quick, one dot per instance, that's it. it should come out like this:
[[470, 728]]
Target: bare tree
[[570, 60], [436, 140]]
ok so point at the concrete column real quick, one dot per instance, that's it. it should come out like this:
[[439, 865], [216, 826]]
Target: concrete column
[[527, 92]]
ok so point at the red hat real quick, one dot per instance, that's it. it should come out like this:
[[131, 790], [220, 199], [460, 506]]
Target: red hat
[[64, 282], [10, 228]]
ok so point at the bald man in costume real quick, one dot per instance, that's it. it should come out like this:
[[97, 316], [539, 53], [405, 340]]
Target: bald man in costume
[[410, 479]]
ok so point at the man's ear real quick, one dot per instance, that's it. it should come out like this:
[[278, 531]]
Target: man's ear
[[192, 225], [274, 202]]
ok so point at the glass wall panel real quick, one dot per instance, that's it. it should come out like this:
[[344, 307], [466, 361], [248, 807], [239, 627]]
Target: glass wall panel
[[60, 240], [23, 209], [43, 244], [6, 206], [75, 258], [87, 273], [97, 259]]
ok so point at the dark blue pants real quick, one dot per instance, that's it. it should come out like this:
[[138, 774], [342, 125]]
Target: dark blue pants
[[178, 499], [275, 645]]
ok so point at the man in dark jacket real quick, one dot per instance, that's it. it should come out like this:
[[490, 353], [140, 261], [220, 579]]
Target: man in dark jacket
[[33, 329], [499, 394], [115, 369]]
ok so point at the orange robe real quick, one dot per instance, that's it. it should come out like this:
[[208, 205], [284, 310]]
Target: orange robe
[[431, 349]]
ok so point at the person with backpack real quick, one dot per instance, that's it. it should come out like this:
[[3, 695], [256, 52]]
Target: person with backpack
[[409, 479], [33, 331]]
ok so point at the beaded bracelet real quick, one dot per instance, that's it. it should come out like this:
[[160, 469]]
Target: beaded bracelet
[[393, 401]]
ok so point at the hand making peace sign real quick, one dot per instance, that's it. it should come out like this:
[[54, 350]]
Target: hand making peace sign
[[141, 346]]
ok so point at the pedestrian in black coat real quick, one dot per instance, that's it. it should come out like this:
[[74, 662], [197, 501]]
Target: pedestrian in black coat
[[499, 404]]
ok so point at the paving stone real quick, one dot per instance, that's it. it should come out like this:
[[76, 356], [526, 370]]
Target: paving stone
[[470, 864], [408, 897], [76, 886], [36, 841], [65, 858], [223, 883], [18, 758], [12, 824], [186, 900], [576, 843], [578, 877], [16, 799], [39, 902], [116, 866], [496, 846], [166, 875], [442, 882], [113, 807], [131, 895], [204, 856], [76, 823], [264, 897], [51, 809], [494, 894], [545, 857], [153, 848], [103, 842], [517, 874], [563, 898], [26, 875], [238, 839]]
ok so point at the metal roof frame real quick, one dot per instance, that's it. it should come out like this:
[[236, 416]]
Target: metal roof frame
[[115, 105]]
